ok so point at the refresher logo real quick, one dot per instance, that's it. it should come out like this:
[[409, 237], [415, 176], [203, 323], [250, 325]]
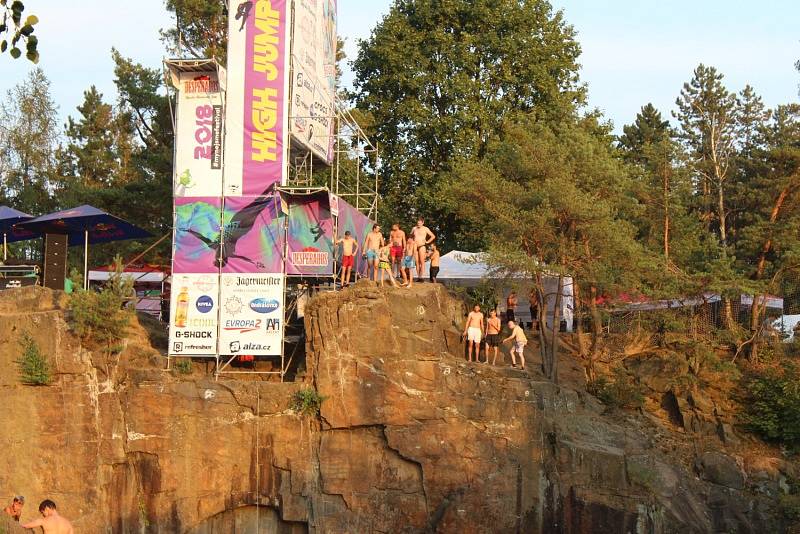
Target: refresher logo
[[204, 304], [262, 305]]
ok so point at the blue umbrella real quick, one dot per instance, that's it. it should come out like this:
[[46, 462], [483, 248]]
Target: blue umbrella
[[83, 225], [8, 218]]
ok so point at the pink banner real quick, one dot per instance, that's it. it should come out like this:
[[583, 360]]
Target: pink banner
[[264, 96]]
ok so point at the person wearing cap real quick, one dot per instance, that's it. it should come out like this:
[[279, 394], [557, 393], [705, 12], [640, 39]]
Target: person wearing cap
[[15, 508]]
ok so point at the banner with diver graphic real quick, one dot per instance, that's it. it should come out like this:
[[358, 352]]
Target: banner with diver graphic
[[253, 235], [256, 113], [198, 135], [310, 235]]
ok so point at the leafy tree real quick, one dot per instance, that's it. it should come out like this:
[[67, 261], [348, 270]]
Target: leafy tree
[[13, 28], [551, 198], [28, 140], [201, 28], [707, 117], [441, 78], [663, 188]]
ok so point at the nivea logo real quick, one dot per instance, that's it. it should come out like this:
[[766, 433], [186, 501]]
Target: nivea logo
[[204, 304], [263, 305]]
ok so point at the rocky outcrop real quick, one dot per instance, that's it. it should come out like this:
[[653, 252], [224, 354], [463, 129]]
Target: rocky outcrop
[[410, 438]]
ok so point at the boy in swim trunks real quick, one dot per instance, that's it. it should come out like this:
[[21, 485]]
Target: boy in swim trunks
[[473, 331], [493, 335], [434, 256], [518, 336], [385, 265], [408, 263], [397, 238], [422, 237], [372, 244], [349, 249]]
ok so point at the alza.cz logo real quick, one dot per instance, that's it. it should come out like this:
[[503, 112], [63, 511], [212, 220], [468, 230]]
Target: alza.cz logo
[[204, 304], [262, 305]]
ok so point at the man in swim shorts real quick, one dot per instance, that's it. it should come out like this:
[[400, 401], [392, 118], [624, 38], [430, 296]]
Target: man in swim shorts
[[434, 257], [422, 237], [372, 244], [473, 331], [349, 249], [493, 335], [397, 238], [518, 336]]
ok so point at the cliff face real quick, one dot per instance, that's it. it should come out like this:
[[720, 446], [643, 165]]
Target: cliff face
[[410, 438]]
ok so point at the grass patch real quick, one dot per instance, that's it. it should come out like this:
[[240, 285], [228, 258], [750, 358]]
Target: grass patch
[[307, 402]]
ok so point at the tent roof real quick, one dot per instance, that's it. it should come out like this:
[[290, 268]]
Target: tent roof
[[138, 276], [459, 265]]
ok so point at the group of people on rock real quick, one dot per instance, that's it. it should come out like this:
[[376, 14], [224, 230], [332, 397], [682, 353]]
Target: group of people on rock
[[50, 522], [392, 259], [479, 328]]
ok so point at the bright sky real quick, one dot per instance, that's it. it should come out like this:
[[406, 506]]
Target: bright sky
[[634, 51]]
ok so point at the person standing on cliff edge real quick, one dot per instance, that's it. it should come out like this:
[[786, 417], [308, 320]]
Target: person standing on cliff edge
[[51, 522], [473, 331], [15, 508]]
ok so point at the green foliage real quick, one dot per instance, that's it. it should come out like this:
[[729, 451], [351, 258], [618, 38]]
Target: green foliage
[[307, 401], [440, 79], [102, 317], [33, 366], [201, 29], [620, 392], [772, 404], [183, 366], [14, 28]]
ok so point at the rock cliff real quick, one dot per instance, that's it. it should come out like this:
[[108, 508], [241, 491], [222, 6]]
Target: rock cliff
[[410, 438]]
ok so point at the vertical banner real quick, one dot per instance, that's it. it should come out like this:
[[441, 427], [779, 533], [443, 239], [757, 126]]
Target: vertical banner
[[256, 96], [198, 137], [310, 246], [253, 235], [313, 57], [251, 314], [193, 314]]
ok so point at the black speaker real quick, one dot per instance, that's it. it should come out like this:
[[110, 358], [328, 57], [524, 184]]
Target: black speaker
[[55, 261]]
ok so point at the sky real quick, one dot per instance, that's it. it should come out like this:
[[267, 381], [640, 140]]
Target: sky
[[634, 51]]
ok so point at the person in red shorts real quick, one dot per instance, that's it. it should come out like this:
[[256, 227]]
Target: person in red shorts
[[397, 238], [349, 249]]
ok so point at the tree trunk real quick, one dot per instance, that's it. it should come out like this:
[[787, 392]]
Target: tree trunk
[[665, 183], [552, 353], [723, 234], [597, 330]]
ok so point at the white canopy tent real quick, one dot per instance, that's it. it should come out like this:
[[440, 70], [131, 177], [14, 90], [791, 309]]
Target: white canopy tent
[[467, 269]]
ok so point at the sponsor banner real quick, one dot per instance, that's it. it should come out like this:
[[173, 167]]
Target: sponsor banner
[[251, 314], [310, 247], [359, 225], [253, 237], [193, 314], [198, 136], [256, 96], [197, 235], [314, 76], [333, 203]]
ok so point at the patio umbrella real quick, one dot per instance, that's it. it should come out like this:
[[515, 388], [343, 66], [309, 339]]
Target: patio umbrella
[[83, 225], [8, 218]]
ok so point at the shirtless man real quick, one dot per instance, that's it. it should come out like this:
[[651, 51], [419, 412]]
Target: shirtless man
[[434, 257], [397, 238], [372, 244], [349, 249], [51, 522], [511, 304], [422, 237], [473, 331], [493, 335], [384, 264], [408, 264], [518, 336], [15, 508]]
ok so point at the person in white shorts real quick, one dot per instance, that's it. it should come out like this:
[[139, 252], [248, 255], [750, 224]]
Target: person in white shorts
[[518, 336], [473, 331]]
